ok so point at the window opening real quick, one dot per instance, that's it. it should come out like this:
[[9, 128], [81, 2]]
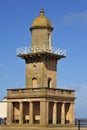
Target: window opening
[[34, 82], [49, 40], [49, 82]]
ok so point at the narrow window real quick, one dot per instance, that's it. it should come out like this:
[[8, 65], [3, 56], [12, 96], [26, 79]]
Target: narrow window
[[34, 82], [49, 40], [49, 82]]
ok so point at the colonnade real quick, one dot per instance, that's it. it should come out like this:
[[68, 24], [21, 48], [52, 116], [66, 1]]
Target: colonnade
[[42, 112]]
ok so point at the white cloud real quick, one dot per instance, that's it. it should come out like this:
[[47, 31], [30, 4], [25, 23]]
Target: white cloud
[[73, 17]]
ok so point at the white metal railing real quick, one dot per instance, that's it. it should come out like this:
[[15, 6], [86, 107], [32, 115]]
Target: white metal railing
[[27, 50]]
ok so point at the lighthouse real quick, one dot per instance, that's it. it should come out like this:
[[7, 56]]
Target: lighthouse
[[41, 101]]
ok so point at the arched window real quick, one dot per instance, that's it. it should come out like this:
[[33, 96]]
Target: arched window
[[49, 82], [34, 82]]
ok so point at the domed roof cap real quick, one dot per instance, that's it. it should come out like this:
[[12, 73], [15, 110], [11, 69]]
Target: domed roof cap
[[41, 22]]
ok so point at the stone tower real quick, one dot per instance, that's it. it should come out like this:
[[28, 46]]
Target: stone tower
[[41, 102], [41, 58]]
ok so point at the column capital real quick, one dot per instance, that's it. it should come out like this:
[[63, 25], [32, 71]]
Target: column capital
[[9, 101], [20, 101], [63, 102], [72, 103], [55, 101], [30, 101]]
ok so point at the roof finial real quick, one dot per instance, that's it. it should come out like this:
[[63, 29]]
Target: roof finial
[[42, 12]]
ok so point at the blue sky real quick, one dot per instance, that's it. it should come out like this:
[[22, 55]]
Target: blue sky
[[69, 19]]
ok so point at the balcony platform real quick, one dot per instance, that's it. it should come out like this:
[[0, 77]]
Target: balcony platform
[[39, 92], [28, 52]]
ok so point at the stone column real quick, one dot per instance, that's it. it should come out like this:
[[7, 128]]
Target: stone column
[[55, 113], [44, 112], [63, 113], [72, 113], [31, 113], [9, 113], [21, 113]]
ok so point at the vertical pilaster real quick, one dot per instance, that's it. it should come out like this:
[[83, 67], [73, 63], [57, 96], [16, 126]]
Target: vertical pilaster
[[55, 113], [9, 113], [44, 112], [47, 111], [63, 113], [31, 113], [41, 110], [21, 113]]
